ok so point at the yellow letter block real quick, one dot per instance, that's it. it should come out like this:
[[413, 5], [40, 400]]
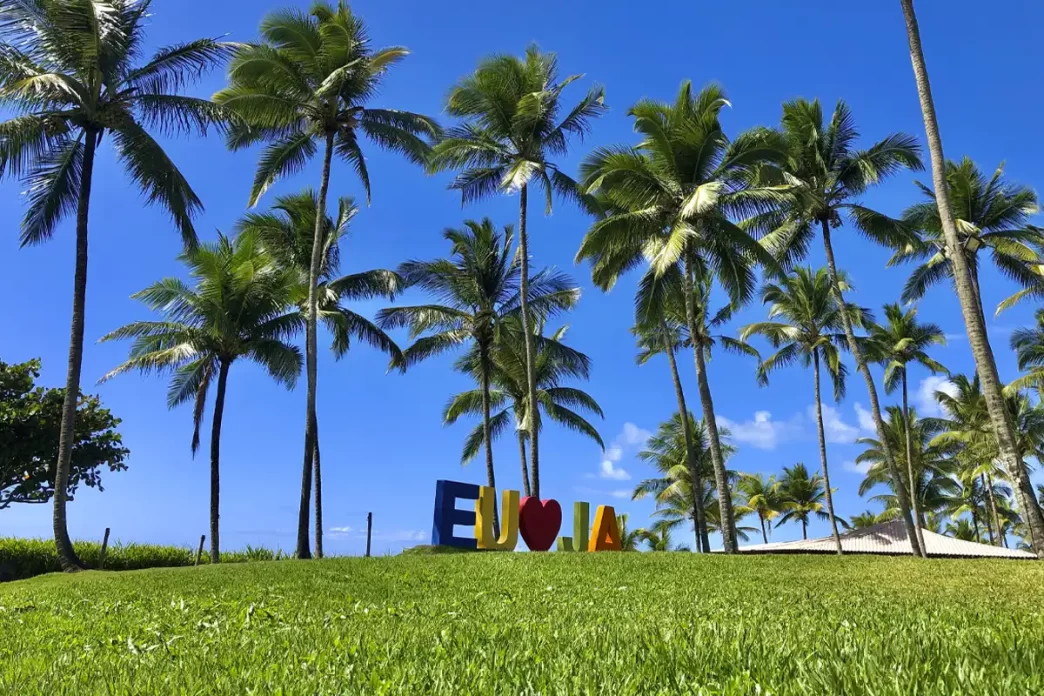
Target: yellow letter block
[[581, 518], [484, 510], [606, 536]]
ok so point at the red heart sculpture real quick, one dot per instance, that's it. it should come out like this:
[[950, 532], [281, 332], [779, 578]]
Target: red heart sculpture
[[539, 522]]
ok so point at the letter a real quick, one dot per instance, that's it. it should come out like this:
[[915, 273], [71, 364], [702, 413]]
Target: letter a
[[581, 519], [606, 535], [484, 511]]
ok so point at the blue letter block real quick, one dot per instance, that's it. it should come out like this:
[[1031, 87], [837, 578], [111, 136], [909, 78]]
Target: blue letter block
[[447, 515]]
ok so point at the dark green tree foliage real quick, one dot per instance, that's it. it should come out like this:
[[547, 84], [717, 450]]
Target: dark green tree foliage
[[30, 420]]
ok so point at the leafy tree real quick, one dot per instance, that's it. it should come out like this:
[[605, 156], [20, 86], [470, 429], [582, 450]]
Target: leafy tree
[[69, 70], [676, 487], [478, 288], [509, 132], [825, 175], [659, 537], [961, 529], [1028, 344], [30, 419], [629, 538], [974, 323], [668, 200], [990, 214], [930, 468], [895, 344], [809, 328], [306, 85], [760, 496], [802, 496], [286, 232], [863, 520], [555, 362], [243, 306]]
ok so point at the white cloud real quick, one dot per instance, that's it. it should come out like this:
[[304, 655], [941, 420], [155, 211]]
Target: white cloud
[[837, 431], [629, 439], [924, 397], [866, 418], [762, 432], [622, 494], [610, 471], [340, 530], [855, 468], [402, 535]]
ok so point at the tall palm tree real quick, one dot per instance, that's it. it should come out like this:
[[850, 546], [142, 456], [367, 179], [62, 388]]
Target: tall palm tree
[[306, 85], [809, 329], [760, 496], [286, 232], [555, 362], [69, 71], [930, 469], [825, 175], [991, 214], [510, 131], [1028, 344], [802, 496], [975, 325], [241, 307], [895, 344], [961, 529], [668, 200], [659, 537], [478, 288], [679, 485]]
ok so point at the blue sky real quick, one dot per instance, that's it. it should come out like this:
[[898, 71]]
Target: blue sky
[[384, 443]]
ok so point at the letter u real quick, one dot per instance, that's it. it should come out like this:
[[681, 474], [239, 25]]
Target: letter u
[[484, 511]]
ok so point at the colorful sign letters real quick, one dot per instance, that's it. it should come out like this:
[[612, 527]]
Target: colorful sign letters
[[538, 521]]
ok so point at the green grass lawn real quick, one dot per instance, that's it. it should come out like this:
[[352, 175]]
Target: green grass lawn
[[528, 623]]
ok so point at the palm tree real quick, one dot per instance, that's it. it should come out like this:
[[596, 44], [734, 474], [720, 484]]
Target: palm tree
[[629, 538], [555, 362], [679, 484], [242, 307], [69, 71], [863, 520], [931, 466], [510, 130], [809, 329], [668, 200], [961, 529], [479, 288], [896, 343], [968, 427], [990, 214], [1028, 344], [975, 325], [286, 232], [802, 496], [824, 175], [306, 85], [659, 537], [760, 496]]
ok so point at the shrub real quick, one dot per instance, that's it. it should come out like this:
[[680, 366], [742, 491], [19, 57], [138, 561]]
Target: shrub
[[26, 558]]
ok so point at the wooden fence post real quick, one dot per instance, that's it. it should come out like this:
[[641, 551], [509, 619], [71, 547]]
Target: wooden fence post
[[104, 548], [369, 530], [199, 551]]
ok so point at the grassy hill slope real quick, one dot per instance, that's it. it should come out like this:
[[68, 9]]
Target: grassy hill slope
[[532, 623]]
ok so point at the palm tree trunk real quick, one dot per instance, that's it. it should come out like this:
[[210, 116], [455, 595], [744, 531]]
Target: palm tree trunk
[[804, 529], [487, 435], [699, 515], [993, 507], [728, 519], [534, 414], [311, 352], [875, 406], [975, 521], [317, 474], [910, 477], [989, 519], [215, 465], [66, 554], [985, 364], [525, 467], [764, 534], [823, 453]]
